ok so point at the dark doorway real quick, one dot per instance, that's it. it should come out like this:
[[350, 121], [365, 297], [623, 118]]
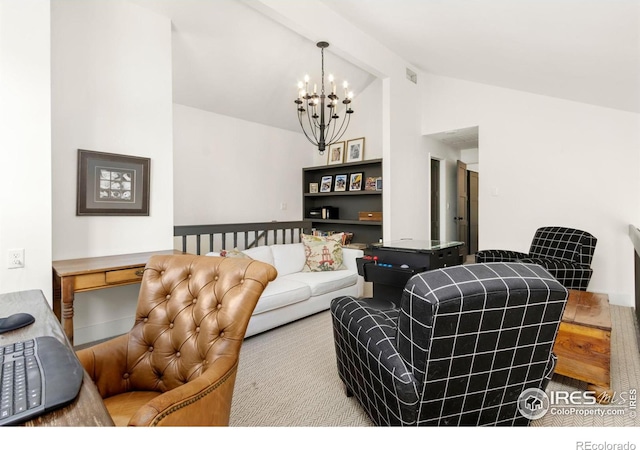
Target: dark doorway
[[435, 200]]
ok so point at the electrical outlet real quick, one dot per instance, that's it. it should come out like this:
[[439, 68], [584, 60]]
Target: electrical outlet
[[15, 258]]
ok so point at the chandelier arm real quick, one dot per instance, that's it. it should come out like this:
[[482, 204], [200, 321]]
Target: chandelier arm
[[341, 130], [304, 130], [313, 125], [332, 139]]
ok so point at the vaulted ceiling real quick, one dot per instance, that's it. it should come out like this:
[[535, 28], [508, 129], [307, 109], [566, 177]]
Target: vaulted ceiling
[[231, 59]]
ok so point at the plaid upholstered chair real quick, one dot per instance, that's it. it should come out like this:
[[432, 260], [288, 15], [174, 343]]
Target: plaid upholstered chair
[[565, 252], [460, 350]]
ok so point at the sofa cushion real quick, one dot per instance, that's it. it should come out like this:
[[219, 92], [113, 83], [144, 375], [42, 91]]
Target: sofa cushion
[[262, 253], [323, 282], [323, 253], [288, 258], [282, 292]]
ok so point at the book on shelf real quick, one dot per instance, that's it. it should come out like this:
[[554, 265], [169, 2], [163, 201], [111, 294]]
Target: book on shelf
[[347, 236]]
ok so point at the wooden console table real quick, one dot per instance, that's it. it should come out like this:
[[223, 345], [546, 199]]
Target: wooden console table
[[88, 274], [583, 343]]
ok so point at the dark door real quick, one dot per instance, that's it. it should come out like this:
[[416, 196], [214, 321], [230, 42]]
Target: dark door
[[435, 200], [473, 212], [462, 209]]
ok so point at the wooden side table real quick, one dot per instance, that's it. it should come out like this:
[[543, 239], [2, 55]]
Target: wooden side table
[[583, 343], [88, 274]]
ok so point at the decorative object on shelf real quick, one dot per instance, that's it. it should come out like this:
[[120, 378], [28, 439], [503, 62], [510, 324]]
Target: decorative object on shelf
[[355, 182], [355, 150], [370, 215], [325, 185], [318, 130], [313, 188], [336, 153], [379, 184], [315, 213], [341, 183], [112, 185], [370, 184], [330, 212], [347, 236]]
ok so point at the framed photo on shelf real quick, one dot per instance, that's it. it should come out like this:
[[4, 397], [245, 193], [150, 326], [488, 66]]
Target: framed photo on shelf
[[379, 184], [341, 183], [355, 150], [336, 153], [370, 184], [112, 185], [325, 184], [355, 181], [313, 188]]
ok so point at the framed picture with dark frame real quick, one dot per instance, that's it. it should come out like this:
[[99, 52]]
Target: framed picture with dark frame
[[355, 181], [341, 183], [112, 185], [325, 184]]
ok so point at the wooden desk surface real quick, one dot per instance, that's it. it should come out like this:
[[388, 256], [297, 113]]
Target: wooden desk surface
[[88, 408], [81, 266]]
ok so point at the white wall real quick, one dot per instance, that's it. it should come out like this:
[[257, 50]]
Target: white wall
[[228, 170], [25, 143], [549, 162], [111, 92]]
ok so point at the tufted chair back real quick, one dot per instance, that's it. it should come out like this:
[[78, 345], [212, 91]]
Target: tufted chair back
[[190, 323]]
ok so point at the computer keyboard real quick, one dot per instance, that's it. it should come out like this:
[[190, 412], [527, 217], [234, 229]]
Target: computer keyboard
[[38, 375]]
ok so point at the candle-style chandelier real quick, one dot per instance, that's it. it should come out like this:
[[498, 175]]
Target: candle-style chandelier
[[320, 131]]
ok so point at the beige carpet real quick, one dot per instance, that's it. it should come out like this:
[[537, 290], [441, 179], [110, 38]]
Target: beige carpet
[[288, 378]]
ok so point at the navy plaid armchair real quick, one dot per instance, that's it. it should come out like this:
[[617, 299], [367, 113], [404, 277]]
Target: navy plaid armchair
[[465, 342], [566, 253]]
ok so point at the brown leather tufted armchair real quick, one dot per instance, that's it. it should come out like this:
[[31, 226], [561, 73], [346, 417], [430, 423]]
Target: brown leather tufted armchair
[[177, 365]]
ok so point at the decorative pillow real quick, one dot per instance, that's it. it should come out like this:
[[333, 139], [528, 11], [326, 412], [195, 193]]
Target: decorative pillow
[[235, 253], [323, 253]]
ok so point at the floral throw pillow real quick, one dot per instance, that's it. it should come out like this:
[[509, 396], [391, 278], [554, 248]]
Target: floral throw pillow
[[235, 253], [324, 253]]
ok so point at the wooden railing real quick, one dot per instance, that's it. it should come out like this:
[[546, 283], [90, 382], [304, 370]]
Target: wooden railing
[[239, 235]]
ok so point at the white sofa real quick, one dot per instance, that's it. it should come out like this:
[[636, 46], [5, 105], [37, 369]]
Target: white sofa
[[295, 294]]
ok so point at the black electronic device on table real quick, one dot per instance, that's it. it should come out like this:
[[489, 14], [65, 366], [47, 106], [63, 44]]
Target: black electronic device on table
[[38, 375], [390, 266]]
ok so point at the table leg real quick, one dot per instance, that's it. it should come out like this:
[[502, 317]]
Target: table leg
[[67, 285], [57, 296]]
